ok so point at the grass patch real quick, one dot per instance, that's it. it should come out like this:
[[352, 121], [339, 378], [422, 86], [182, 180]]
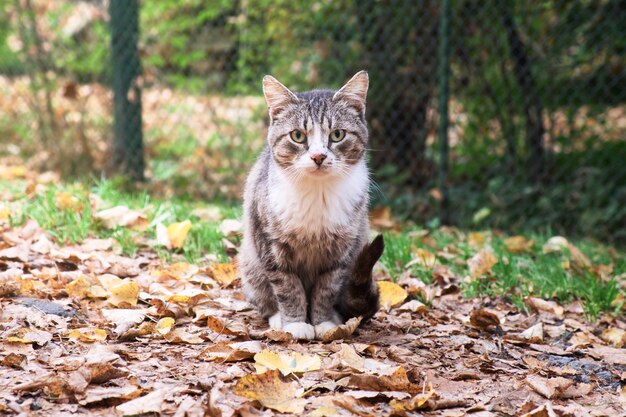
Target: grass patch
[[515, 275]]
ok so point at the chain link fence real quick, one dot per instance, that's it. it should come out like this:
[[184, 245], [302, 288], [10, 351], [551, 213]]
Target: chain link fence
[[534, 136]]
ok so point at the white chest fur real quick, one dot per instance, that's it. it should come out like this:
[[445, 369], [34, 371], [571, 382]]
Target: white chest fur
[[312, 206]]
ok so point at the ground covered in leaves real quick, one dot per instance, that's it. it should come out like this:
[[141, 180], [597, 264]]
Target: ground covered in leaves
[[85, 329]]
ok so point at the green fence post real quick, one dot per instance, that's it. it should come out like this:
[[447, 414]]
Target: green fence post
[[443, 75], [128, 135]]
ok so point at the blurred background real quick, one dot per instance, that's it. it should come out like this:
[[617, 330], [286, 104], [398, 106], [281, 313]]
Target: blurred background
[[483, 113]]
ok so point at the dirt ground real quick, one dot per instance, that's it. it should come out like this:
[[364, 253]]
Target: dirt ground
[[86, 331]]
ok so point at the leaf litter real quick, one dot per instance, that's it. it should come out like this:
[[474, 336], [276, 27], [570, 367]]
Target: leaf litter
[[86, 330]]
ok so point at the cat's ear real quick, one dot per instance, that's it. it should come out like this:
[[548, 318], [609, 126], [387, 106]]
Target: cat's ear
[[277, 95], [354, 92]]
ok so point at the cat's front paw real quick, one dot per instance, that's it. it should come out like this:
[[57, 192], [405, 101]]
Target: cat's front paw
[[276, 321], [323, 328], [300, 330]]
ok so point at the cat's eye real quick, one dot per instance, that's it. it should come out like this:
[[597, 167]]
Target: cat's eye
[[337, 135], [297, 136]]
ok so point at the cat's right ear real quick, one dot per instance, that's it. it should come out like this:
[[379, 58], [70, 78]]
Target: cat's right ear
[[277, 95]]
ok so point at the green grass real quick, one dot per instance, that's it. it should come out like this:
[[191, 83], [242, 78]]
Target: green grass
[[73, 226], [515, 276]]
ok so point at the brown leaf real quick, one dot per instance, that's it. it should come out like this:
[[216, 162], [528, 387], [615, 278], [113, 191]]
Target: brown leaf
[[418, 402], [396, 381], [518, 244], [533, 334], [380, 218], [481, 263], [549, 387], [230, 328], [343, 331], [231, 352], [484, 319], [616, 337], [271, 390], [151, 403], [539, 304], [225, 274]]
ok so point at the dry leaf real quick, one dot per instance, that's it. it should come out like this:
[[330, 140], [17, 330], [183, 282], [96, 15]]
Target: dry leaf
[[414, 306], [555, 244], [518, 244], [481, 263], [123, 291], [79, 288], [231, 328], [177, 232], [391, 294], [165, 325], [182, 336], [286, 363], [25, 335], [88, 334], [416, 403], [396, 381], [225, 273], [484, 319], [477, 239], [231, 351], [546, 306], [67, 202], [271, 391], [231, 227], [151, 403], [533, 334], [423, 258], [342, 331], [122, 216], [380, 218], [614, 336]]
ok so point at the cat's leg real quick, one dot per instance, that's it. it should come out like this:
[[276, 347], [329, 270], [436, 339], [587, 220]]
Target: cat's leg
[[323, 299], [292, 305], [259, 293]]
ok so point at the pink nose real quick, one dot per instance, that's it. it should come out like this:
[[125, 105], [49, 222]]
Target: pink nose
[[318, 158]]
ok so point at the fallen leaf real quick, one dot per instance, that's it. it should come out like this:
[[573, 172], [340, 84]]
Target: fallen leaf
[[477, 239], [484, 319], [391, 294], [286, 363], [225, 273], [88, 334], [380, 218], [78, 288], [549, 387], [423, 258], [518, 244], [25, 335], [165, 325], [122, 291], [230, 227], [124, 217], [97, 394], [414, 306], [616, 337], [555, 244], [546, 306], [416, 403], [177, 232], [231, 328], [533, 334], [481, 263], [231, 351], [342, 331], [182, 336], [67, 202], [395, 381], [271, 391], [151, 403]]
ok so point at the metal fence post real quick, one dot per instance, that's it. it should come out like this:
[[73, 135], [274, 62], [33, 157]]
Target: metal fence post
[[128, 135], [443, 75]]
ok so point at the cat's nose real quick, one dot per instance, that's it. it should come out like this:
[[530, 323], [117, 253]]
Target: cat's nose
[[318, 158]]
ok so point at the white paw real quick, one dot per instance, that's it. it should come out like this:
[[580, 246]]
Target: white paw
[[324, 327], [276, 321], [300, 330]]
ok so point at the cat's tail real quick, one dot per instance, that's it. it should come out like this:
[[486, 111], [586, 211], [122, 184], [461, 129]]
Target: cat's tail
[[359, 295]]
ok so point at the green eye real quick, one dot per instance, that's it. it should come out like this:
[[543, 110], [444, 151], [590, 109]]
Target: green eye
[[337, 135], [297, 136]]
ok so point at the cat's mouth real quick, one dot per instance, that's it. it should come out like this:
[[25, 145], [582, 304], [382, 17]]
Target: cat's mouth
[[319, 171]]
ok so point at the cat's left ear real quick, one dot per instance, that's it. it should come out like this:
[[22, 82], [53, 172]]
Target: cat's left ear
[[277, 96], [354, 92]]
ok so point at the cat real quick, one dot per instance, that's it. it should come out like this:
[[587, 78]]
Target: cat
[[305, 261]]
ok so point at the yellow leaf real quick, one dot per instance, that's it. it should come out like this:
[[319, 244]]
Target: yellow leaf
[[164, 326], [271, 391], [412, 404], [97, 291], [477, 239], [181, 336], [518, 244], [5, 212], [79, 288], [67, 202], [286, 363], [126, 292], [423, 258], [481, 263], [25, 335], [177, 232], [614, 336], [88, 334], [390, 294], [225, 273]]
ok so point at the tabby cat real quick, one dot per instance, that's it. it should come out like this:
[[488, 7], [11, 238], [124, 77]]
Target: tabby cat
[[305, 259]]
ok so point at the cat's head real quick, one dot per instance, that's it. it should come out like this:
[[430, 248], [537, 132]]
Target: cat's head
[[319, 133]]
